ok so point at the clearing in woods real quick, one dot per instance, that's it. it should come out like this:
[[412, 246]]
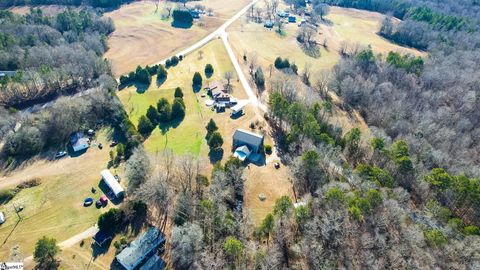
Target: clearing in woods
[[143, 37], [55, 207], [346, 25]]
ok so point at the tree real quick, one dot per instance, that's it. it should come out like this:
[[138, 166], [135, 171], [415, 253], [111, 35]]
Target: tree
[[183, 208], [111, 220], [164, 110], [208, 69], [259, 77], [228, 75], [435, 237], [283, 206], [186, 242], [178, 109], [142, 75], [162, 72], [178, 93], [197, 79], [137, 169], [266, 228], [211, 127], [182, 16], [320, 8], [145, 127], [233, 247], [153, 115], [215, 141], [45, 253]]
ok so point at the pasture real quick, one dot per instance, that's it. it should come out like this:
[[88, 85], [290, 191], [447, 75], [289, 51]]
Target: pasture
[[55, 207]]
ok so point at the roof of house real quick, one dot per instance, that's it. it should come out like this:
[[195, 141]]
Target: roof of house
[[242, 152], [79, 142], [238, 107], [247, 137], [141, 248], [7, 73], [154, 263], [112, 183]]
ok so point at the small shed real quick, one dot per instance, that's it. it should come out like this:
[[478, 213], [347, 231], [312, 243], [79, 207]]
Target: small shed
[[238, 109], [113, 184]]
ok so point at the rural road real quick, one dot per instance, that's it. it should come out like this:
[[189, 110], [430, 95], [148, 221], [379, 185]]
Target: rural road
[[90, 232], [214, 34]]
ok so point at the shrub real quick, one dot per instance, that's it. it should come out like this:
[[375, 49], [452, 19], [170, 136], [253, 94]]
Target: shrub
[[259, 77], [215, 141], [471, 230], [153, 115], [197, 79], [178, 93], [268, 149], [110, 221], [208, 69], [117, 245], [435, 237], [164, 110], [174, 60]]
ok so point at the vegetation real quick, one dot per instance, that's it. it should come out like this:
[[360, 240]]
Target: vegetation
[[197, 79], [182, 17], [111, 221], [45, 253]]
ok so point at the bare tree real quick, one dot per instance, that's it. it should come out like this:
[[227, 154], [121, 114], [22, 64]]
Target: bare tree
[[200, 54], [252, 62], [137, 169], [228, 75]]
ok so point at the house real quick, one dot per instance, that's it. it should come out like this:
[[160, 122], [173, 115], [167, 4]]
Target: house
[[141, 249], [113, 184], [7, 73], [246, 142], [101, 237], [195, 14], [79, 142], [292, 19], [154, 263]]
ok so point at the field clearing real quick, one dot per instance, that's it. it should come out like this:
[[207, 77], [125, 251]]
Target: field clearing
[[142, 37], [347, 25], [188, 136], [54, 208]]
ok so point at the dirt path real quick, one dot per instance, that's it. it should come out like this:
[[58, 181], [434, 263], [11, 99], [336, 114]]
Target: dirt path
[[90, 232]]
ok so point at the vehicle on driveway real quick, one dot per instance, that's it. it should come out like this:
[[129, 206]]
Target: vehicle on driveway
[[102, 202], [60, 154]]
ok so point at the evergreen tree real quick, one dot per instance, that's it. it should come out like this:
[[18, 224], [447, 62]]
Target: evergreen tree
[[164, 110], [197, 79], [145, 127]]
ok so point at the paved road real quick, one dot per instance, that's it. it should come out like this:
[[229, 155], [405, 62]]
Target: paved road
[[90, 232], [214, 34]]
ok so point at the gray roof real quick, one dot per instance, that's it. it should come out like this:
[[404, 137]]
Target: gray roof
[[154, 263], [140, 249], [247, 137], [7, 73]]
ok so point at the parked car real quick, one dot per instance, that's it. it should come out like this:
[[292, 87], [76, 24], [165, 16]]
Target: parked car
[[117, 177], [277, 165], [87, 201], [60, 154], [113, 144], [2, 218]]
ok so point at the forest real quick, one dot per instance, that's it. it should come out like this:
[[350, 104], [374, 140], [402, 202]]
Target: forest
[[93, 3]]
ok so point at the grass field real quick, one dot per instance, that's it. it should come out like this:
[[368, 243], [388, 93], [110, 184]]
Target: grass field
[[142, 37], [347, 25], [188, 136], [54, 208]]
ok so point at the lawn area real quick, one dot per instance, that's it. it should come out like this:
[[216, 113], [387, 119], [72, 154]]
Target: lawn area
[[347, 25], [54, 208], [188, 136], [142, 37]]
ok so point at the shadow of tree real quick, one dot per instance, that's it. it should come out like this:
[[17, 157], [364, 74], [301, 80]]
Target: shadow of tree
[[312, 50], [166, 126], [209, 75], [196, 88], [160, 81], [182, 25]]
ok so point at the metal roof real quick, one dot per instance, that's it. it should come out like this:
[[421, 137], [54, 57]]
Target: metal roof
[[248, 137], [133, 255], [112, 183], [154, 263]]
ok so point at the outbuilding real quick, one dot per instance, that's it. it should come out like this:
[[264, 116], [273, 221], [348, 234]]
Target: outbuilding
[[113, 184], [79, 142]]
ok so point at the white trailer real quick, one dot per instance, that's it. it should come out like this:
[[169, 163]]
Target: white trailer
[[113, 184]]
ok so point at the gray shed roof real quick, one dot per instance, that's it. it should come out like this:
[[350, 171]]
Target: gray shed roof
[[140, 249], [154, 263], [248, 137]]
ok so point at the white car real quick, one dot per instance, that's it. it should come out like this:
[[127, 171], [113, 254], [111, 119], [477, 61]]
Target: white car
[[60, 154], [2, 218]]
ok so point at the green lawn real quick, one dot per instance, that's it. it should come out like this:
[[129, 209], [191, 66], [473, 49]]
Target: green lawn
[[186, 137], [55, 207]]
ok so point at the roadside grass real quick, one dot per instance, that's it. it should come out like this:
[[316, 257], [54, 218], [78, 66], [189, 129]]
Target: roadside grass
[[55, 207], [187, 136]]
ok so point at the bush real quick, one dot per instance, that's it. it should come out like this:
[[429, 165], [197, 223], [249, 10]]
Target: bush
[[208, 69], [178, 93], [117, 245], [435, 237], [174, 60], [153, 115], [178, 109], [142, 75], [164, 110], [471, 230], [259, 77], [197, 79], [168, 63], [268, 149]]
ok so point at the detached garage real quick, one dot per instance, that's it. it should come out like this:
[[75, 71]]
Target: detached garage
[[113, 184]]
